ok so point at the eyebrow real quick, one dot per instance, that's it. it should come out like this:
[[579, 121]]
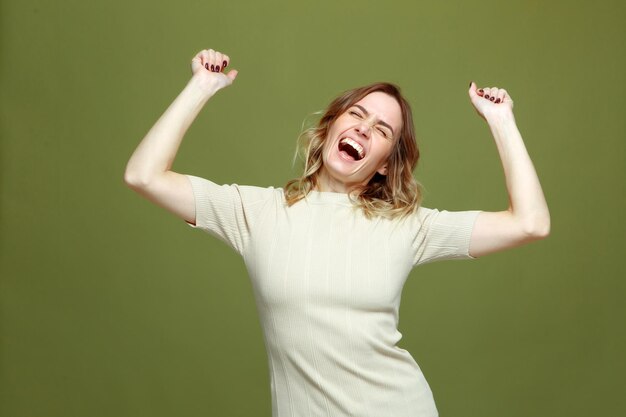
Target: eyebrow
[[379, 122]]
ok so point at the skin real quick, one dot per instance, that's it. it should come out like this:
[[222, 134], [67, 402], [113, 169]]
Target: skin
[[374, 122], [526, 219], [148, 171]]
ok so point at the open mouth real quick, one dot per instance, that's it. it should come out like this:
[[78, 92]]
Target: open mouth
[[351, 148]]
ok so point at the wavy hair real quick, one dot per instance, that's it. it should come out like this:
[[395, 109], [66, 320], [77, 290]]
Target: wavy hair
[[394, 195]]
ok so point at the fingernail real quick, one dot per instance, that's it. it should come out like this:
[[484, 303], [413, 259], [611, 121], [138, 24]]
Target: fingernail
[[492, 98], [224, 64], [470, 84], [206, 65], [481, 91], [486, 95], [497, 100], [217, 68], [212, 67]]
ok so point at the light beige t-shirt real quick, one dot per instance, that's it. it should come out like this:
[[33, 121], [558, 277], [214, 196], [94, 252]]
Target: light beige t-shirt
[[327, 282]]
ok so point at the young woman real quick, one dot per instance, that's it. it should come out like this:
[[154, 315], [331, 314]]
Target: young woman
[[328, 255]]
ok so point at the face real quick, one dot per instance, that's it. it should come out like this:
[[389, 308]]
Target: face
[[359, 143]]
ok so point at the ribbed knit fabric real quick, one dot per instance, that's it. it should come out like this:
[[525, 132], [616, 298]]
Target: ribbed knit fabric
[[327, 283]]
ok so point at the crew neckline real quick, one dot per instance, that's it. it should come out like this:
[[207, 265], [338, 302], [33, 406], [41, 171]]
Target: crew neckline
[[328, 197]]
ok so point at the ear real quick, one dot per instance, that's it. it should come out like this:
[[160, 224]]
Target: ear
[[382, 170]]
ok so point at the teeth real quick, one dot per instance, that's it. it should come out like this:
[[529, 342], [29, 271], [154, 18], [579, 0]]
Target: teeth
[[355, 145]]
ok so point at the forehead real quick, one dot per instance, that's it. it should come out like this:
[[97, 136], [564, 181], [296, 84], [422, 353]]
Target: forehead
[[384, 107]]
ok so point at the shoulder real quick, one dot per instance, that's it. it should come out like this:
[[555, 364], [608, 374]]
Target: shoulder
[[441, 234], [259, 193], [432, 215], [435, 221], [247, 192], [420, 216]]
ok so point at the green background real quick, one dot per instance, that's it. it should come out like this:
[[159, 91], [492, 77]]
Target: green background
[[111, 306]]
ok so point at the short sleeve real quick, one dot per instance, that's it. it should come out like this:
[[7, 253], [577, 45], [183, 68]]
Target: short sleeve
[[439, 235], [227, 212]]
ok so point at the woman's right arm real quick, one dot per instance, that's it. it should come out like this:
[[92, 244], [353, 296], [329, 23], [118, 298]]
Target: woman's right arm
[[148, 171]]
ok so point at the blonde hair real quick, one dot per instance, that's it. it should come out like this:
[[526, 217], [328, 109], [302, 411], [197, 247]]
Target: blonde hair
[[394, 195]]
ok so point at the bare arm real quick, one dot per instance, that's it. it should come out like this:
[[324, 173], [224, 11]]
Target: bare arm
[[149, 169], [527, 217]]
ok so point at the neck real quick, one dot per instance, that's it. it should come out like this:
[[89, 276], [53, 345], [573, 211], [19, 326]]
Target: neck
[[325, 183]]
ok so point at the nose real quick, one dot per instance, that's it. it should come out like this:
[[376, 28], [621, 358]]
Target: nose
[[364, 128]]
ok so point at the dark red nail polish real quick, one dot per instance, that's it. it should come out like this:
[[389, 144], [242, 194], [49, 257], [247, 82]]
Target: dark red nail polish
[[212, 67], [498, 100], [486, 95], [224, 64], [491, 98], [217, 68], [481, 91], [206, 65]]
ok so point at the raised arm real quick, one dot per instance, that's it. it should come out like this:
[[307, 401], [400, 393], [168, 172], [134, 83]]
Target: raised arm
[[149, 169], [527, 218]]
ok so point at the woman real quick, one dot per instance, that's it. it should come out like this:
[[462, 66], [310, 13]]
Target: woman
[[328, 255]]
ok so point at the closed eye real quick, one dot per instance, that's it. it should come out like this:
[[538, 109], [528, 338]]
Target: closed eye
[[355, 114], [384, 132]]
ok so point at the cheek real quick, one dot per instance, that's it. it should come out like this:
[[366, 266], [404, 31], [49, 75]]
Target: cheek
[[326, 148], [383, 152]]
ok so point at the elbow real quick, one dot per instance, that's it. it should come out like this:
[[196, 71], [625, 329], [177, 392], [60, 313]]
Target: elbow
[[130, 179], [134, 180], [541, 232], [537, 229]]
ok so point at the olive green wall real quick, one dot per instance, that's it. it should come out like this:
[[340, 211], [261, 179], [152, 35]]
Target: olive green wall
[[112, 307]]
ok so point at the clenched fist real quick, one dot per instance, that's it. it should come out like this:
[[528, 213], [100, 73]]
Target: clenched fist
[[491, 101], [209, 66]]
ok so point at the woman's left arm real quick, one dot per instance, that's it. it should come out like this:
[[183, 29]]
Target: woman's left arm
[[527, 218]]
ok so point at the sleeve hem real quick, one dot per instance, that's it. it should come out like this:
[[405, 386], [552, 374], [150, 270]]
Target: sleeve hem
[[471, 231], [201, 200], [195, 199], [444, 235]]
